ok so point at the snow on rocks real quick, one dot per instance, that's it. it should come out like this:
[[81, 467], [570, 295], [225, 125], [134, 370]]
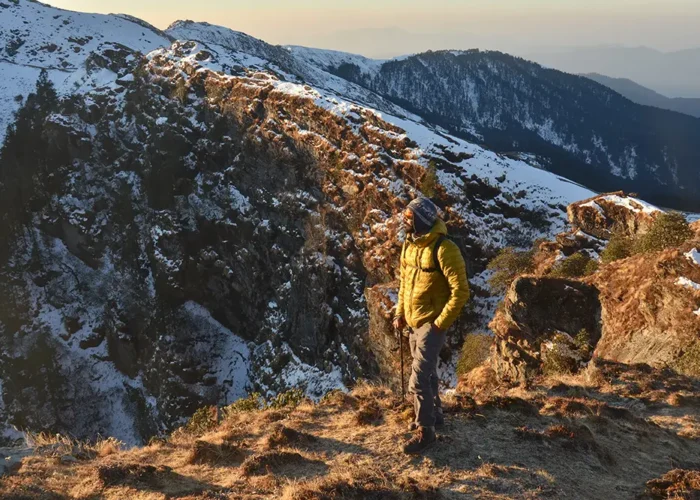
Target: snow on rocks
[[599, 215], [693, 256], [683, 281]]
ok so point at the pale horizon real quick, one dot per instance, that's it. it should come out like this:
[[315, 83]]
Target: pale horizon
[[387, 28]]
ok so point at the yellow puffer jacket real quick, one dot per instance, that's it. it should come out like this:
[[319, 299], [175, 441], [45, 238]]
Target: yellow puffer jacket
[[426, 294]]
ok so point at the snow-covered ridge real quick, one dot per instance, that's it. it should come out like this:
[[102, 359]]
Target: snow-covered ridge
[[35, 36]]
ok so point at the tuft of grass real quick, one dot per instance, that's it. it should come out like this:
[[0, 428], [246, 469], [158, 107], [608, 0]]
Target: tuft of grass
[[204, 452], [475, 350], [263, 463], [282, 436], [369, 414]]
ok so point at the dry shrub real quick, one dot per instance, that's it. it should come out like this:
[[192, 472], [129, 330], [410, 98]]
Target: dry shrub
[[109, 446], [133, 474], [369, 414], [479, 381], [356, 485], [511, 404], [264, 463], [475, 350], [284, 436], [337, 398], [204, 452], [678, 483]]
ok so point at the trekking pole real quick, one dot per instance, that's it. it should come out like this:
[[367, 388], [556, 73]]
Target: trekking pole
[[403, 386]]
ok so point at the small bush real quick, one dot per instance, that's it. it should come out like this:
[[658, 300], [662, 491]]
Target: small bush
[[289, 399], [619, 247], [582, 340], [475, 351], [253, 402], [203, 420], [689, 362], [559, 356], [670, 229], [508, 265], [430, 180], [574, 266]]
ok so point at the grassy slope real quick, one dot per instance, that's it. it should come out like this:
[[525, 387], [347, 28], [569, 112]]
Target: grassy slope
[[602, 434]]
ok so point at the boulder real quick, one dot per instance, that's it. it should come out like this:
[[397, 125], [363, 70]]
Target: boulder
[[11, 460], [651, 309], [537, 314], [600, 215]]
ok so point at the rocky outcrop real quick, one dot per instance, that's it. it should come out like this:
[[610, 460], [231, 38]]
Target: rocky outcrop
[[601, 215], [537, 314], [651, 309]]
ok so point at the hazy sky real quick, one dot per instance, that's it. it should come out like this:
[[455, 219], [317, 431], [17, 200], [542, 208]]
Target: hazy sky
[[384, 27]]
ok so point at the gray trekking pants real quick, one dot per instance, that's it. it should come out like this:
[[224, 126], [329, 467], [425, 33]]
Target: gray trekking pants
[[426, 344]]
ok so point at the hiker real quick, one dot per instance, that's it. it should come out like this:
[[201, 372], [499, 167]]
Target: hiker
[[433, 291]]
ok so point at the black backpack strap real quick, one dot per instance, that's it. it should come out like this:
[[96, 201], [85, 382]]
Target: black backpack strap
[[436, 261]]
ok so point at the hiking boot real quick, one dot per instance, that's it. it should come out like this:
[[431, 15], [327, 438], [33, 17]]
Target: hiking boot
[[439, 423], [421, 441]]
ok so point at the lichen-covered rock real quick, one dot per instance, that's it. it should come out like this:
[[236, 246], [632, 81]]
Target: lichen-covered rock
[[600, 215]]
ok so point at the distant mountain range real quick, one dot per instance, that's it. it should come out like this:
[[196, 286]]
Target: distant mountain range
[[581, 129], [642, 95], [675, 74]]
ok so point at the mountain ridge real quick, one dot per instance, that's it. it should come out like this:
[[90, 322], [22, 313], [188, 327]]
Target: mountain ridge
[[643, 95]]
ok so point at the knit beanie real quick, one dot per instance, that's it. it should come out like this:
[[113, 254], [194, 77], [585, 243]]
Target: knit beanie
[[425, 213]]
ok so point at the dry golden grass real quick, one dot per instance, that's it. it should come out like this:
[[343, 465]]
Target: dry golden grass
[[603, 433]]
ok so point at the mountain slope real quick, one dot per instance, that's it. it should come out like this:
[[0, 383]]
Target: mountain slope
[[587, 132], [35, 36], [180, 236], [642, 95]]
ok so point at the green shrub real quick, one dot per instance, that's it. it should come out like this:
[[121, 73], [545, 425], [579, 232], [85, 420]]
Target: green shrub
[[560, 357], [508, 265], [430, 181], [670, 229], [289, 399], [591, 268], [582, 340], [689, 362], [203, 420], [252, 403], [574, 266], [619, 247], [475, 351], [255, 402]]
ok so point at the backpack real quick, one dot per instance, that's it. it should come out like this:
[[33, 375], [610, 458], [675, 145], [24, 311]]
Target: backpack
[[436, 262]]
